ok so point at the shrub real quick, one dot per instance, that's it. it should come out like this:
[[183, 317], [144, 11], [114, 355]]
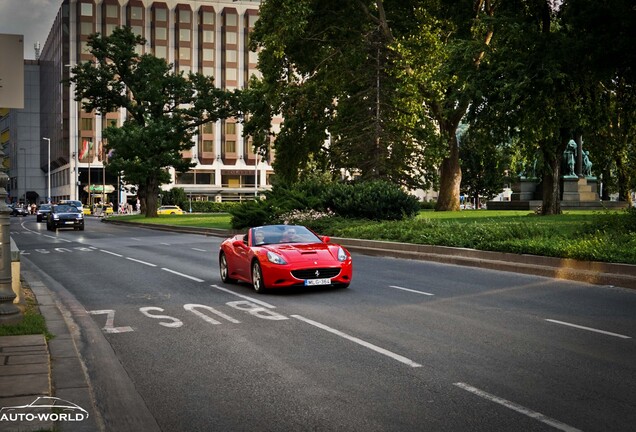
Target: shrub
[[376, 200], [251, 213]]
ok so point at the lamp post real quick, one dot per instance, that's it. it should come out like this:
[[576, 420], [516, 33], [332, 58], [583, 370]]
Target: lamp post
[[25, 176], [48, 140]]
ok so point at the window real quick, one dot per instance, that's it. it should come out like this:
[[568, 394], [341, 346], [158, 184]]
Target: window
[[230, 56], [207, 128], [230, 146], [110, 28], [161, 15], [161, 51], [203, 178], [230, 128], [86, 28], [184, 16], [230, 74], [208, 54], [184, 35], [231, 20], [230, 38], [184, 54], [112, 11], [186, 69], [87, 9], [252, 20], [137, 30], [185, 178], [161, 33], [136, 13], [208, 146], [207, 71], [253, 57], [87, 124], [208, 18], [208, 36]]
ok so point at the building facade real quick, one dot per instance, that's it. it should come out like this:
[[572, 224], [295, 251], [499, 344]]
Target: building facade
[[20, 139], [207, 36]]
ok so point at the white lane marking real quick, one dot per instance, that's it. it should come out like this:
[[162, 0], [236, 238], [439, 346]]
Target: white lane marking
[[365, 344], [111, 253], [181, 274], [518, 408], [141, 262], [410, 290], [165, 244], [57, 238], [589, 329], [198, 250], [135, 238], [253, 300]]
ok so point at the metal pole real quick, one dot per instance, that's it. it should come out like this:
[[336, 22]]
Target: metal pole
[[48, 140]]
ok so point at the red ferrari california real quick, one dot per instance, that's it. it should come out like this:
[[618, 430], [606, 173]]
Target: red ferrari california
[[280, 256]]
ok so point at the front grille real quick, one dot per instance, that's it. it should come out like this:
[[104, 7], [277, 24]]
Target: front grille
[[323, 273]]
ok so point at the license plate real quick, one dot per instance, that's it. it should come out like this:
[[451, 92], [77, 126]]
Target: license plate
[[69, 222], [312, 282]]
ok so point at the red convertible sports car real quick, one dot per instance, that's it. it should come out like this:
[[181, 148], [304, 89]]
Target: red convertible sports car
[[279, 256]]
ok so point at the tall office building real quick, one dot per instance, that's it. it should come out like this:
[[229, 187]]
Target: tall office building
[[207, 36]]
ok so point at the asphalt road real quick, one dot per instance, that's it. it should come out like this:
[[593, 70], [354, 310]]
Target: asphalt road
[[409, 346]]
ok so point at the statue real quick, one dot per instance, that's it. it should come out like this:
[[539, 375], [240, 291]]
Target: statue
[[569, 156], [587, 164]]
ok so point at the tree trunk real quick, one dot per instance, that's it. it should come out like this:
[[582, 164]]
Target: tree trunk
[[450, 178], [623, 182], [551, 194], [151, 197]]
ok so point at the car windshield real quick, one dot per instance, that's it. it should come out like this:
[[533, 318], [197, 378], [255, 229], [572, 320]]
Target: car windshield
[[66, 208], [283, 234]]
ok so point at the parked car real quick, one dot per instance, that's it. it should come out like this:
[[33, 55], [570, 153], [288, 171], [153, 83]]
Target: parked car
[[65, 216], [169, 209], [42, 212], [86, 209], [19, 210], [279, 256]]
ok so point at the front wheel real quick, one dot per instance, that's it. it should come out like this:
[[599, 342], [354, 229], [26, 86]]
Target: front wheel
[[257, 278]]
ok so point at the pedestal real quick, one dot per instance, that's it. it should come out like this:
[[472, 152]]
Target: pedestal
[[524, 189], [577, 189]]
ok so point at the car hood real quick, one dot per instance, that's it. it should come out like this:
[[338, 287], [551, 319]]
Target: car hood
[[300, 252]]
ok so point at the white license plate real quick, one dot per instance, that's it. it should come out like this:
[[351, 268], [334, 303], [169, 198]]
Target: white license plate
[[318, 282], [69, 222]]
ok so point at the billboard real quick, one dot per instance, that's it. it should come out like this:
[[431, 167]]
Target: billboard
[[11, 71]]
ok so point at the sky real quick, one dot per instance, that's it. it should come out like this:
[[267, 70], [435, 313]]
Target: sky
[[31, 18]]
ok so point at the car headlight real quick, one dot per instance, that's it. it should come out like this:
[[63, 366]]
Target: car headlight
[[342, 255], [56, 217], [275, 258]]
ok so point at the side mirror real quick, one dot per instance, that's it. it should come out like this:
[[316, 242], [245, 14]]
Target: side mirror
[[326, 239]]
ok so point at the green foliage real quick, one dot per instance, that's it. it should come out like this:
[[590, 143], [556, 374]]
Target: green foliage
[[212, 207], [376, 200], [174, 196], [251, 213], [315, 198], [163, 109]]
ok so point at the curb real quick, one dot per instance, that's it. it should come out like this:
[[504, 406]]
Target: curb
[[592, 272]]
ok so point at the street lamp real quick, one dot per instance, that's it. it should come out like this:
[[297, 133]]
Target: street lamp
[[25, 176], [49, 170]]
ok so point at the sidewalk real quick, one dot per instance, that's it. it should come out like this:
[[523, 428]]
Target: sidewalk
[[31, 368]]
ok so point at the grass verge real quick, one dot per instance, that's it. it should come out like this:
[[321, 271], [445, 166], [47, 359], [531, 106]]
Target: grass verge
[[32, 321], [588, 235]]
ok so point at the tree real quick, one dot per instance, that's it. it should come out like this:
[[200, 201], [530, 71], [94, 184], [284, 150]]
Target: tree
[[483, 166], [326, 70], [163, 110]]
